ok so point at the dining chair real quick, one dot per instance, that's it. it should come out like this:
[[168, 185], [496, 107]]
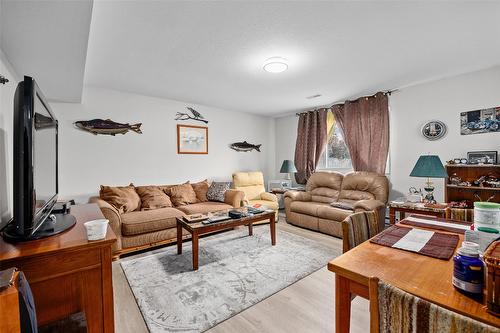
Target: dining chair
[[394, 310], [461, 214], [359, 227]]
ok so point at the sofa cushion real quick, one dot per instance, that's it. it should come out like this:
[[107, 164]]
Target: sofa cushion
[[307, 207], [140, 222], [201, 189], [182, 194], [217, 191], [152, 197], [362, 185], [269, 204], [204, 207], [123, 198], [324, 186], [332, 213]]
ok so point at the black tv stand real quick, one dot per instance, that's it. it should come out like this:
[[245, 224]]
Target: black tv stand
[[53, 225]]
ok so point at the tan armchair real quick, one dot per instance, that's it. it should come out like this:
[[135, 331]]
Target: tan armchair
[[252, 184]]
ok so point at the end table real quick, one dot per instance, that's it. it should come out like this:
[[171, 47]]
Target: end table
[[414, 208]]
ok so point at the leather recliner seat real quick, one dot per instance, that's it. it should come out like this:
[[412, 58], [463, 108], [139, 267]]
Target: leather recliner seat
[[354, 192]]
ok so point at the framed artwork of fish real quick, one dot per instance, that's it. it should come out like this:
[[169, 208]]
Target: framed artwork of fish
[[192, 139]]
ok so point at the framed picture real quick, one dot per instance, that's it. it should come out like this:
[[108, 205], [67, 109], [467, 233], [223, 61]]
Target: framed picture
[[480, 121], [192, 139], [482, 157]]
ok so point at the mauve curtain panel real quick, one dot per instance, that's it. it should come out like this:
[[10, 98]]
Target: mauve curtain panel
[[311, 142], [365, 124]]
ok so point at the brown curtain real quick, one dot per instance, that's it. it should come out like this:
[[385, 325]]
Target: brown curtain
[[365, 124], [311, 142]]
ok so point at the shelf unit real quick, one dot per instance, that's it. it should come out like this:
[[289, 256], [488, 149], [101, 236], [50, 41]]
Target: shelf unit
[[471, 173]]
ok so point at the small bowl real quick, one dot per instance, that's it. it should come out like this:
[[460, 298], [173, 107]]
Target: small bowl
[[96, 229]]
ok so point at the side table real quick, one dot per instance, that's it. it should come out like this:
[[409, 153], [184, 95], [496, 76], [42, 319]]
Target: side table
[[414, 208]]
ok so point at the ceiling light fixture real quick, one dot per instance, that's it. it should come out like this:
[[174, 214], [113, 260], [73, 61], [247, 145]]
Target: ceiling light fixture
[[275, 65]]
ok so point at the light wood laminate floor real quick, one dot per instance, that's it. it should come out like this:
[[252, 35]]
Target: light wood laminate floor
[[305, 306]]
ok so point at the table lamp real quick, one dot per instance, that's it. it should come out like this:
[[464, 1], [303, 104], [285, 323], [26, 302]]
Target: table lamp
[[429, 166], [288, 167]]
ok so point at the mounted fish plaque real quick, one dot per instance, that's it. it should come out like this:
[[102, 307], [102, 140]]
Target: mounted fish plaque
[[107, 127], [244, 146]]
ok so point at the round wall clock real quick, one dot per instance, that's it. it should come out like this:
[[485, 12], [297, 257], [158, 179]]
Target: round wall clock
[[434, 130]]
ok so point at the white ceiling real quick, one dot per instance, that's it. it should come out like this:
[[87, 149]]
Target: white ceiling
[[48, 40], [212, 52]]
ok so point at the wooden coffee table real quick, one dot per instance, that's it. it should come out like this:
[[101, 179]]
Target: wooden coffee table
[[198, 228]]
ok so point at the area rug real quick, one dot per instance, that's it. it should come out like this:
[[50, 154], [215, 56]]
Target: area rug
[[235, 272]]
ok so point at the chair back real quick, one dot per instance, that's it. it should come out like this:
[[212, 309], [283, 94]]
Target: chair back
[[359, 227], [462, 214], [395, 310], [251, 183]]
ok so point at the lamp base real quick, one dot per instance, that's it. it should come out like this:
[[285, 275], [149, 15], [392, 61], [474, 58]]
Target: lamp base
[[429, 197]]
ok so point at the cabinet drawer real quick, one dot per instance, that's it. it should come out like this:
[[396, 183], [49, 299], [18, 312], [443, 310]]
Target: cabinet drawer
[[49, 266]]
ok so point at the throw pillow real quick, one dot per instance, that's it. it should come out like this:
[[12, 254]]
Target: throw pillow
[[342, 205], [201, 189], [123, 198], [217, 191], [152, 197], [182, 195]]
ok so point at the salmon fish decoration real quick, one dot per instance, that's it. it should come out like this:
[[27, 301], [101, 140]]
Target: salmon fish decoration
[[107, 127]]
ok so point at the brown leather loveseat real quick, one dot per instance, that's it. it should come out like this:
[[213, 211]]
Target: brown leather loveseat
[[330, 197]]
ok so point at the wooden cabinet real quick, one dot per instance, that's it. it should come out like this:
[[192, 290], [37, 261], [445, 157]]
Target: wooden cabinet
[[67, 273], [471, 193]]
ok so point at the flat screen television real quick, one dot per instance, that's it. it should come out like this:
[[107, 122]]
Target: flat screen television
[[35, 168]]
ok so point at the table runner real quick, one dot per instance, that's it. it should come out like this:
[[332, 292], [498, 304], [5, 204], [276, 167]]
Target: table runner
[[429, 243], [437, 223]]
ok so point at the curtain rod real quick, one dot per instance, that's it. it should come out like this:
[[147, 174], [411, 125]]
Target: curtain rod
[[387, 93]]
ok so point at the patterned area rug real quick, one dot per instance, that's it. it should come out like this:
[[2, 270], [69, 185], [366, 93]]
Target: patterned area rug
[[236, 271]]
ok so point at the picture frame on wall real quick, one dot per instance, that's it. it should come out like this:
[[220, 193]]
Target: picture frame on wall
[[192, 139], [480, 121], [482, 157]]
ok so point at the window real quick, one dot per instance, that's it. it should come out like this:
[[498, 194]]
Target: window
[[336, 154]]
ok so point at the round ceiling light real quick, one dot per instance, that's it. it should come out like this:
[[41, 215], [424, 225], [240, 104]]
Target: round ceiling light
[[275, 65]]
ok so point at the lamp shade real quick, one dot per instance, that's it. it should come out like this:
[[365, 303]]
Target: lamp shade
[[288, 167], [429, 166]]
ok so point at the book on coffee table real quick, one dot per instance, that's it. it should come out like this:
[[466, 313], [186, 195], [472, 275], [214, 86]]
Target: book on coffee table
[[195, 217]]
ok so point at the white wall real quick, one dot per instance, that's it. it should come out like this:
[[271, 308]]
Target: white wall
[[410, 108], [286, 137], [442, 100], [87, 161], [6, 125]]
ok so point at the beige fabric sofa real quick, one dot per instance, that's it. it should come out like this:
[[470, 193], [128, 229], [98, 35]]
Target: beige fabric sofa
[[141, 229], [363, 191]]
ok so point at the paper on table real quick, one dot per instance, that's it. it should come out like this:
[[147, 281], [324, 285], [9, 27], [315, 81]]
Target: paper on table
[[414, 240], [426, 221]]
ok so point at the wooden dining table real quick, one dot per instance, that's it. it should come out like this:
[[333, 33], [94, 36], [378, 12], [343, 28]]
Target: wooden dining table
[[425, 277]]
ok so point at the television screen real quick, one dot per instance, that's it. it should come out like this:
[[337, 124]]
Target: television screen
[[35, 163], [45, 156]]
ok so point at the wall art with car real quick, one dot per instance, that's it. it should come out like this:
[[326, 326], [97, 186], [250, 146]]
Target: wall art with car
[[480, 121]]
